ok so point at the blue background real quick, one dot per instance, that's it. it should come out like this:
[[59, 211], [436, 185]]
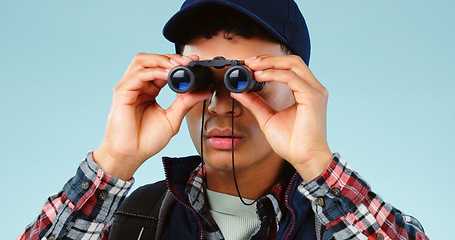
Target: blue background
[[388, 66]]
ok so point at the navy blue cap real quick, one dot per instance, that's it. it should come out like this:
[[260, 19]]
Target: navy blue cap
[[282, 18]]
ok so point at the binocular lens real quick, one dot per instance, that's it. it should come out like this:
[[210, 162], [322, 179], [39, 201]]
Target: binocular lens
[[181, 79], [237, 79]]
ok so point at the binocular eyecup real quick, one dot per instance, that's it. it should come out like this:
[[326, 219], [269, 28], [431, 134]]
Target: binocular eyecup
[[197, 75]]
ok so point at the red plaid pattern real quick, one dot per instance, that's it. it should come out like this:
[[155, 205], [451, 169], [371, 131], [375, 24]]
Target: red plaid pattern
[[91, 192], [345, 204], [341, 200]]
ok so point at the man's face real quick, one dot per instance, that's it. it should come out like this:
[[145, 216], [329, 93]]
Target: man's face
[[252, 151]]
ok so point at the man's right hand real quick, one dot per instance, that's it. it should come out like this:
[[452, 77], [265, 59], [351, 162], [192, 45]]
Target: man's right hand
[[137, 126]]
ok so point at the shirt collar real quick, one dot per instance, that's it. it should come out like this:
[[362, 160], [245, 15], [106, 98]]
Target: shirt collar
[[269, 207]]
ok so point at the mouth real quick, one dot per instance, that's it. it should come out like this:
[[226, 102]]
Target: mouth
[[223, 139]]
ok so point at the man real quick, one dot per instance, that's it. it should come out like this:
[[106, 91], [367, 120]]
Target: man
[[267, 147]]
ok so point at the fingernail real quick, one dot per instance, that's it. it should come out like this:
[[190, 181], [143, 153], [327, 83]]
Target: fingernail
[[174, 62], [253, 59], [167, 70], [258, 72]]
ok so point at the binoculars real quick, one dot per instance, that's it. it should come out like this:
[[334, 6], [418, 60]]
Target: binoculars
[[197, 75]]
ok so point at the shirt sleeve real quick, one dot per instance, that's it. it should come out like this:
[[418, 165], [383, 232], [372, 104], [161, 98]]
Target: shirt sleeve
[[83, 209], [345, 204]]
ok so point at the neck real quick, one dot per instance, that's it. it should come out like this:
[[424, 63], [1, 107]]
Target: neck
[[252, 183]]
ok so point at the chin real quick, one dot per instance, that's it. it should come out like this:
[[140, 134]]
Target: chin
[[222, 161], [219, 161]]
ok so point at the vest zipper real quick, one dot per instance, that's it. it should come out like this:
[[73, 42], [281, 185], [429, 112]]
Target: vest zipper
[[286, 203], [180, 200]]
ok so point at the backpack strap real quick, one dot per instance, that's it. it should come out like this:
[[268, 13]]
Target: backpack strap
[[139, 215]]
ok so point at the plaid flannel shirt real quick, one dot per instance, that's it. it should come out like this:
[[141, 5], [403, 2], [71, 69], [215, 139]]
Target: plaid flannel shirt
[[341, 200], [345, 204], [83, 209]]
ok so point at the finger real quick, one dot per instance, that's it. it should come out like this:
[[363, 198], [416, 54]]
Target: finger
[[144, 100], [152, 61], [194, 57], [256, 105], [303, 92], [143, 76], [179, 60], [180, 107], [290, 78], [146, 60], [183, 59], [153, 88], [284, 62], [146, 80]]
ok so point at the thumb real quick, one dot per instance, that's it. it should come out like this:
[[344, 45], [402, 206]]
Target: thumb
[[260, 109], [182, 105]]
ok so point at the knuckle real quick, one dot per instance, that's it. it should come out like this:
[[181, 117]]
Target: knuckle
[[296, 59], [287, 76], [138, 58], [325, 92], [140, 55], [115, 89], [293, 74], [321, 97], [139, 74]]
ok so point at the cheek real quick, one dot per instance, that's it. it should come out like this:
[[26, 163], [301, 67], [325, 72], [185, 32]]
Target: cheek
[[249, 122], [192, 116], [278, 95], [193, 121]]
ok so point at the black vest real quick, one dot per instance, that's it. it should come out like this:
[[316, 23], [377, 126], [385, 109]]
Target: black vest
[[139, 215]]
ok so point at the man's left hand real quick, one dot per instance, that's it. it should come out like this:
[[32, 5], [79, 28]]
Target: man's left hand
[[297, 133]]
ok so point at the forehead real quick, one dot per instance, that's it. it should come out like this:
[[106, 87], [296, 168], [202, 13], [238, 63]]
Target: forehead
[[234, 47]]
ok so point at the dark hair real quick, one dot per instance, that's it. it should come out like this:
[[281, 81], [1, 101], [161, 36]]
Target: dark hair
[[216, 18]]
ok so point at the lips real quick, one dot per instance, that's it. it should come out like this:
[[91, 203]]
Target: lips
[[222, 139], [227, 133]]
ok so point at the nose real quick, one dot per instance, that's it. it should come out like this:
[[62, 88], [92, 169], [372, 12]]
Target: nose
[[220, 103]]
